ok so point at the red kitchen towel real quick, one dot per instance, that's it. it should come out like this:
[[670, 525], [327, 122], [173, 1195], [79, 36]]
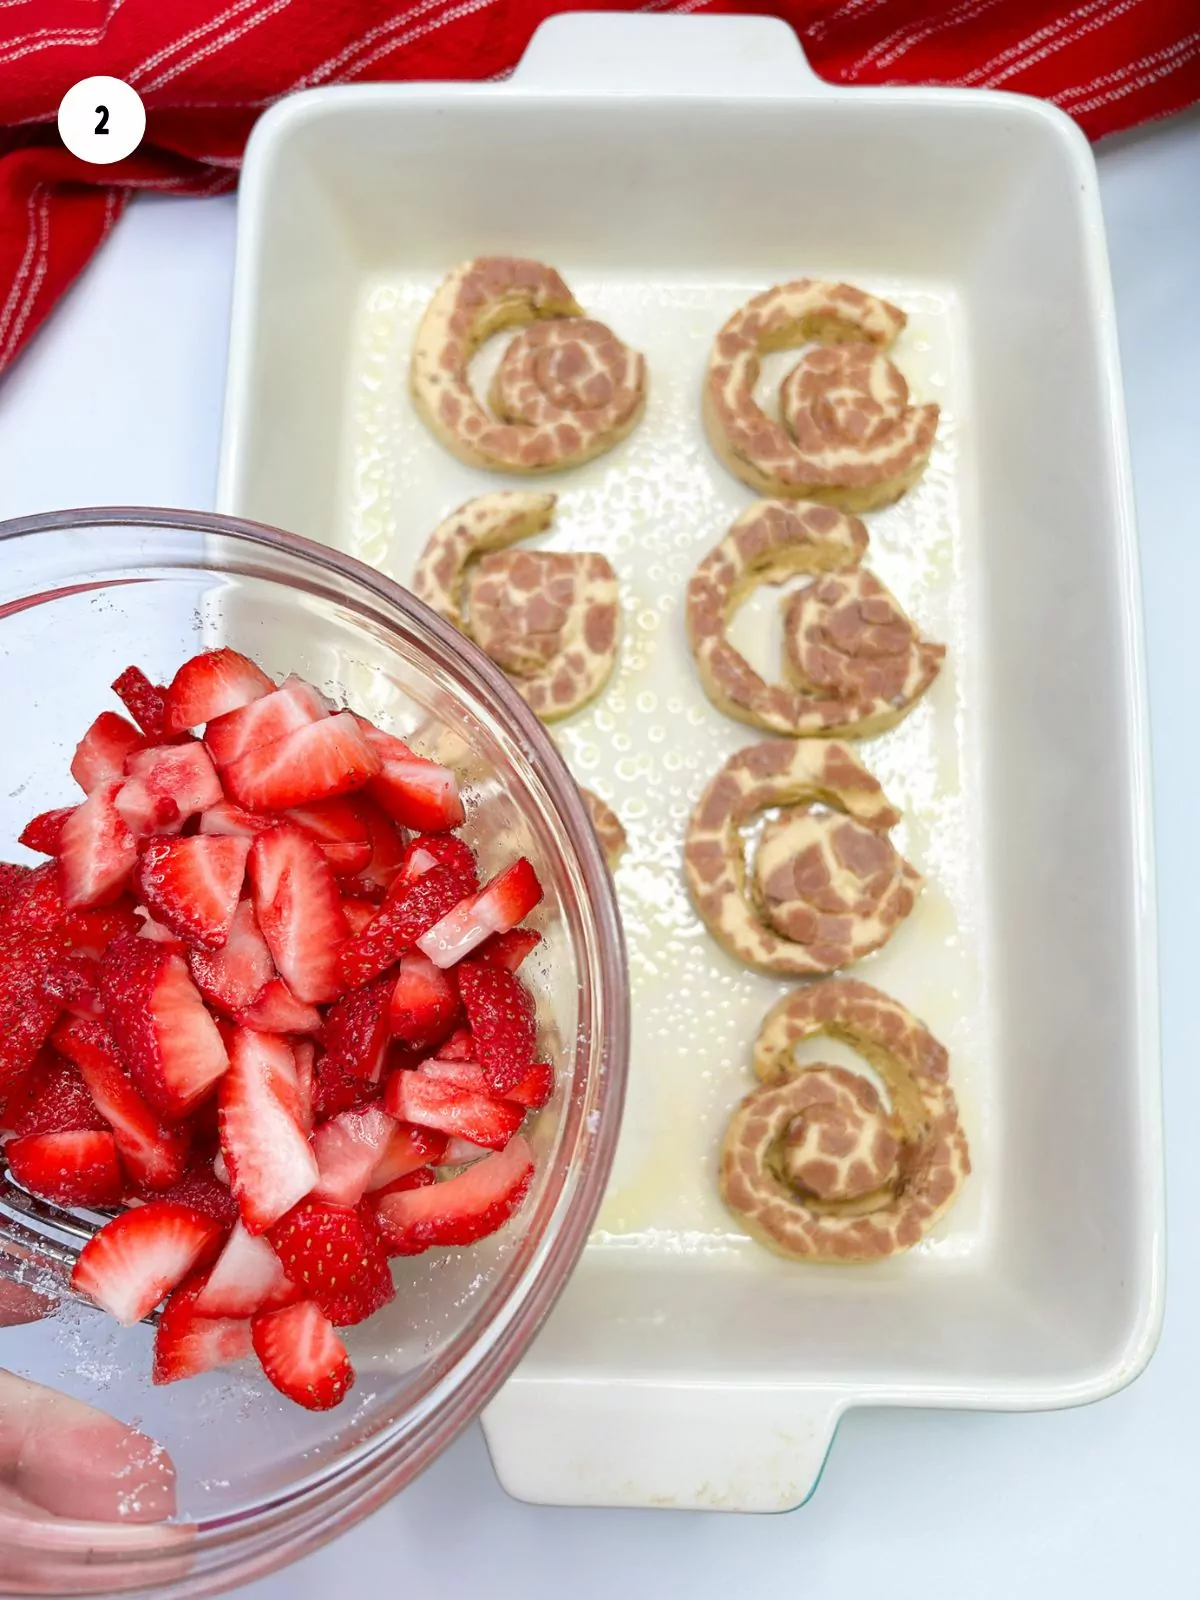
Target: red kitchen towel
[[205, 69]]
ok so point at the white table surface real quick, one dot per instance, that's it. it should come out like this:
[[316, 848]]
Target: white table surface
[[119, 401]]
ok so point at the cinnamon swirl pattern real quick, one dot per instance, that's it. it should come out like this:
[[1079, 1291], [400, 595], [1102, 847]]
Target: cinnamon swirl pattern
[[848, 435], [826, 887], [814, 1164], [566, 389], [609, 829]]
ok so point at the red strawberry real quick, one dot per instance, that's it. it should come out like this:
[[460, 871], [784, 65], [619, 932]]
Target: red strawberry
[[387, 851], [333, 1253], [247, 1277], [163, 1033], [97, 852], [533, 1091], [458, 1047], [275, 1009], [153, 1154], [167, 785], [91, 929], [44, 832], [72, 1169], [141, 1255], [192, 885], [58, 1100], [303, 1356], [101, 754], [11, 879], [408, 1150], [227, 819], [420, 1179], [429, 850], [232, 977], [208, 686], [400, 923], [461, 1209], [508, 898], [299, 911], [348, 1149], [340, 829], [204, 1192], [535, 1088], [291, 706], [501, 1018], [317, 762], [142, 699], [451, 1109], [187, 1344], [356, 1030], [34, 904], [461, 1152], [509, 949], [424, 1003], [417, 793], [305, 1052], [270, 1163], [336, 1089], [149, 929], [358, 913]]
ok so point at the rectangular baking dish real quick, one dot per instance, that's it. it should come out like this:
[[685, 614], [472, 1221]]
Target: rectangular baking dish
[[669, 167]]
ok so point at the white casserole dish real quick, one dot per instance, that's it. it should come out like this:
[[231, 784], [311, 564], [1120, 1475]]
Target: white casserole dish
[[669, 167]]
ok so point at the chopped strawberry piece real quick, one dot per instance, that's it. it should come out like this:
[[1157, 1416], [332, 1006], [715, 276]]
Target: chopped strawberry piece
[[101, 754], [348, 1150], [44, 832], [149, 929], [533, 1090], [164, 1035], [97, 852], [247, 1277], [340, 829], [334, 1254], [166, 786], [74, 982], [28, 1008], [91, 929], [356, 1030], [35, 904], [424, 1005], [358, 913], [233, 976], [201, 1189], [305, 1052], [192, 885], [509, 898], [275, 1009], [317, 762], [461, 1209], [141, 1255], [387, 852], [210, 685], [299, 911], [291, 706], [71, 1169], [227, 819], [402, 919], [509, 949], [187, 1344], [58, 1100], [270, 1163], [461, 1072], [142, 699], [303, 1356], [448, 1108], [458, 1047], [415, 792], [501, 1018], [153, 1154], [408, 1150], [420, 1179], [430, 850], [11, 879], [461, 1152], [336, 1089]]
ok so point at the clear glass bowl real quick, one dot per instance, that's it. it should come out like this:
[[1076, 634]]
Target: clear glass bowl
[[261, 1482]]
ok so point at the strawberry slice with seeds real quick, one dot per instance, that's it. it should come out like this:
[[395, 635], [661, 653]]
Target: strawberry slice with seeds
[[192, 885], [507, 900], [336, 1089], [387, 853], [187, 1343], [101, 754], [91, 929], [299, 910], [167, 785], [97, 852], [43, 833], [305, 1052], [164, 1035], [141, 1255], [247, 1277], [209, 685], [142, 699], [458, 1047], [293, 705], [449, 1108], [356, 1030], [340, 829], [317, 762], [420, 1179], [231, 821], [348, 1150], [358, 914], [302, 1355], [402, 920], [275, 1009], [509, 949], [408, 1150], [461, 1209], [235, 975], [334, 1254], [74, 981], [28, 1010], [430, 850], [270, 1163], [201, 1189], [415, 792], [58, 1100], [533, 1091], [71, 1169], [501, 1017], [424, 1004]]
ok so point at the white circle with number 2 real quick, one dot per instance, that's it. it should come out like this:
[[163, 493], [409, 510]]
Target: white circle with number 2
[[101, 120]]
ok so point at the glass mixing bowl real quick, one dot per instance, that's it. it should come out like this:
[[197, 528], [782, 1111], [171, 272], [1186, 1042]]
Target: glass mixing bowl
[[260, 1481]]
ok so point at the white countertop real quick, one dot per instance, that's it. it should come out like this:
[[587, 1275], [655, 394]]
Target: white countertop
[[119, 401]]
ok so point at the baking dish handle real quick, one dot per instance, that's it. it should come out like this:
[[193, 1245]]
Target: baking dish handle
[[602, 53]]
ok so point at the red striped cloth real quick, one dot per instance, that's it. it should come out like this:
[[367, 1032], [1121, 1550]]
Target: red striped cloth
[[206, 68]]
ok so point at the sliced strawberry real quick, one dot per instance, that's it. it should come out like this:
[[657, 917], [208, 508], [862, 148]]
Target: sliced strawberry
[[340, 828], [35, 904], [509, 949], [275, 1009], [458, 1047], [336, 1089], [201, 1189], [153, 1154], [333, 1253], [501, 1017], [305, 1052], [461, 1152], [413, 791], [91, 929], [358, 914], [227, 819], [407, 1150], [270, 1163], [461, 1209], [299, 911], [11, 879], [402, 920], [101, 754], [97, 852], [317, 762], [210, 685], [72, 1169], [348, 1150], [28, 1007], [424, 1004], [420, 1179], [44, 832], [291, 706], [187, 1344], [233, 976], [508, 898], [57, 1099], [448, 1108], [167, 785], [142, 699], [535, 1088], [164, 1035], [149, 929], [303, 1356], [387, 852], [429, 850], [192, 885], [533, 1091], [247, 1277], [356, 1030], [143, 1254]]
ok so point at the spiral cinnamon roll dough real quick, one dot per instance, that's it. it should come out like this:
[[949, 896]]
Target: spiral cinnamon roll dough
[[547, 618], [848, 435], [827, 887], [566, 389], [814, 1164]]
